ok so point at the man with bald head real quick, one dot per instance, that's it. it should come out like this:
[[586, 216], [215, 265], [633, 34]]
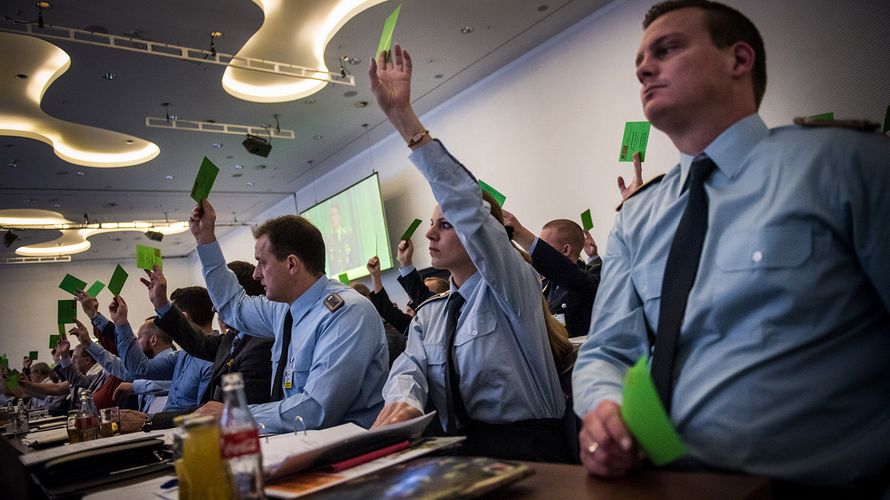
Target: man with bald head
[[569, 284]]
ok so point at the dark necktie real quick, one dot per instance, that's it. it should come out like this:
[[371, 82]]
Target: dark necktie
[[277, 391], [235, 343], [679, 276], [455, 402]]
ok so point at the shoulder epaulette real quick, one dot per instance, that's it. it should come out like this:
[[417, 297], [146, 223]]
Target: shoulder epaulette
[[860, 125], [434, 298], [333, 302], [651, 182]]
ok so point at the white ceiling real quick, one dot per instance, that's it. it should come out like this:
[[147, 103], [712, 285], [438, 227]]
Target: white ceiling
[[328, 132]]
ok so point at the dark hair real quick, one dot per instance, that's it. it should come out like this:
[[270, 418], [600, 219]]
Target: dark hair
[[194, 301], [294, 235], [361, 288], [41, 368], [244, 272], [436, 284], [155, 330], [726, 27]]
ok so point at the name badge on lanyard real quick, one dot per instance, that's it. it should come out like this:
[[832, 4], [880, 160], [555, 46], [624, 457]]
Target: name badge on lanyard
[[288, 382]]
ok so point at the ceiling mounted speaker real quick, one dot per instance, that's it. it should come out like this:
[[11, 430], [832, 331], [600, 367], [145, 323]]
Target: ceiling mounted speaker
[[257, 145]]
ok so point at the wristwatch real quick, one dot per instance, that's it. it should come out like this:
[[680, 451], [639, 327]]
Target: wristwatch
[[417, 137], [146, 427]]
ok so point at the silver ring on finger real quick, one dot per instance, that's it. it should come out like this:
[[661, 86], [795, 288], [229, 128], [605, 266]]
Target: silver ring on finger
[[592, 448]]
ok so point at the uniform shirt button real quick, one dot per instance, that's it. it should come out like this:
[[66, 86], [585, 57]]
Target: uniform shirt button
[[475, 332], [757, 256]]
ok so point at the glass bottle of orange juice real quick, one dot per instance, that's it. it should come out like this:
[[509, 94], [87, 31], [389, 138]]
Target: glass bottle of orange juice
[[200, 470]]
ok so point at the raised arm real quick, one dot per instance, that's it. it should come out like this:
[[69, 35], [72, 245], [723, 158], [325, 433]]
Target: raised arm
[[136, 362]]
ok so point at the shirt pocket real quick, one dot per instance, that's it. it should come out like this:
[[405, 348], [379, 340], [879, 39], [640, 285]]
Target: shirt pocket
[[435, 354], [779, 247], [479, 325], [647, 281]]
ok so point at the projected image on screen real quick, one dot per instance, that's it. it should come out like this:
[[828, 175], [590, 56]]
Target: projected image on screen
[[353, 226]]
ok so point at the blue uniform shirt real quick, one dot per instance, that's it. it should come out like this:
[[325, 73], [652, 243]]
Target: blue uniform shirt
[[783, 359], [337, 361], [502, 352], [189, 375]]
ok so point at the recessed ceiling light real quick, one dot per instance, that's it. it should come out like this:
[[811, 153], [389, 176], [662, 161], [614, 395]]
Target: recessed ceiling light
[[542, 8], [21, 76], [318, 137], [360, 104], [350, 60], [350, 93], [109, 75], [237, 175], [129, 141], [80, 173], [259, 167], [229, 157], [57, 205], [438, 75], [216, 145], [239, 167], [466, 30], [306, 101], [168, 177], [249, 184]]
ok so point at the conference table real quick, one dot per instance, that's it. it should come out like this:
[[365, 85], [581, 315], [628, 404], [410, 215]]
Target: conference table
[[550, 481]]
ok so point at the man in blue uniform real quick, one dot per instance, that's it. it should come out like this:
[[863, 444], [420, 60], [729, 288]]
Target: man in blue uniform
[[757, 269], [329, 360]]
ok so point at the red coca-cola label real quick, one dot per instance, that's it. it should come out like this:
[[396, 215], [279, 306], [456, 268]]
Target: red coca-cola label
[[239, 443]]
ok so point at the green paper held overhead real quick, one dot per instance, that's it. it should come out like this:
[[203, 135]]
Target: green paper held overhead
[[54, 339], [204, 181], [635, 140], [389, 27], [822, 117], [95, 288], [4, 361], [147, 257], [67, 311], [644, 415], [32, 355], [12, 380], [61, 330], [410, 231], [344, 278], [498, 197], [72, 284], [118, 278], [586, 220]]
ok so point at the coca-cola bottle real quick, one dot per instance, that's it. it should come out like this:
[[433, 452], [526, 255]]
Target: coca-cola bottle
[[240, 440]]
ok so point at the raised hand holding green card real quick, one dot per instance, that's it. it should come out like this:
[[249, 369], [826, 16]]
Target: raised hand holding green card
[[72, 284], [389, 27], [204, 181], [118, 278], [646, 419], [498, 197], [410, 231], [32, 355], [54, 339], [635, 140], [586, 220], [67, 311], [148, 257]]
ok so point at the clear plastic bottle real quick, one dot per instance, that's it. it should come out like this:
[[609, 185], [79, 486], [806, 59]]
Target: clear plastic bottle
[[21, 418], [240, 441], [87, 417]]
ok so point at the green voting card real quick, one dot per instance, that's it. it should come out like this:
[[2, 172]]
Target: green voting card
[[636, 138], [12, 380], [410, 231], [886, 126], [644, 415], [67, 311], [344, 278], [54, 339], [586, 220], [32, 355], [204, 181], [95, 288], [71, 284], [822, 117], [4, 361], [61, 330], [147, 257], [498, 197], [389, 27], [117, 281]]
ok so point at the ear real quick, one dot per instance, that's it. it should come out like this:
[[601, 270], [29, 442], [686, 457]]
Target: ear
[[294, 264], [743, 57], [186, 315], [567, 250]]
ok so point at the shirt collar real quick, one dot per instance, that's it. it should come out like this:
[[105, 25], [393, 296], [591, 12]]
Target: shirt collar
[[468, 287], [305, 301], [731, 147]]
